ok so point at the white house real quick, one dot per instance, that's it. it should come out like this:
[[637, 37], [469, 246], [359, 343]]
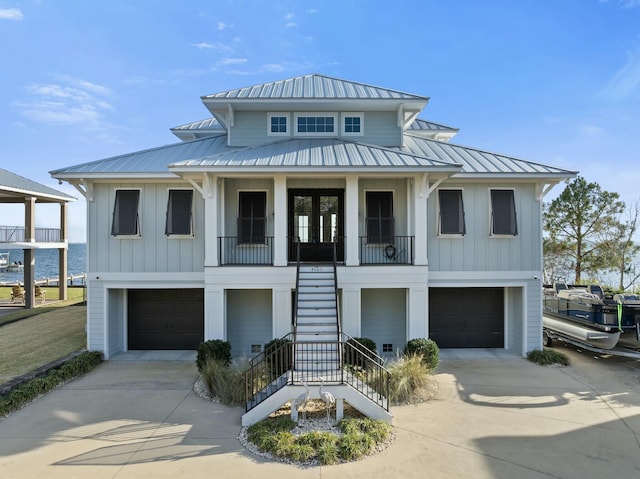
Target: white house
[[199, 240]]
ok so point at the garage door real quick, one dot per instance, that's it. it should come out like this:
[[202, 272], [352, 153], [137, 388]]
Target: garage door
[[467, 317], [165, 318]]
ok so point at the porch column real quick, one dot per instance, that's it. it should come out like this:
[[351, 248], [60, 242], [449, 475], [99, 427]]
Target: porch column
[[29, 253], [420, 223], [282, 313], [210, 193], [280, 220], [351, 311], [63, 254], [351, 222], [418, 312], [215, 323]]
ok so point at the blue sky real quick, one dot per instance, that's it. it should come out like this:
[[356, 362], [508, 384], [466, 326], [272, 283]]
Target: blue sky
[[552, 81]]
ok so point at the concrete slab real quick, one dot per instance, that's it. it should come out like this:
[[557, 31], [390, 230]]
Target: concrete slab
[[495, 416]]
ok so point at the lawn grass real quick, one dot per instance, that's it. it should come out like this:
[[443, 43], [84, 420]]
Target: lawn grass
[[43, 336], [74, 296]]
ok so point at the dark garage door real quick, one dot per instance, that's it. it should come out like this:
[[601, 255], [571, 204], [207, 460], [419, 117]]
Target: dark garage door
[[467, 317], [165, 318]]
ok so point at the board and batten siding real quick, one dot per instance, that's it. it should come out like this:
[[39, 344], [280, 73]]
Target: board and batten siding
[[477, 250], [384, 317], [249, 319], [250, 128], [153, 251], [95, 316]]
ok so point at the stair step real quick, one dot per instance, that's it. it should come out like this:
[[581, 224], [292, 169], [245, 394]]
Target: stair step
[[314, 295], [316, 304]]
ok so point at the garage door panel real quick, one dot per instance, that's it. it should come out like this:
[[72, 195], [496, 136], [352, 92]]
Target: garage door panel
[[467, 317], [165, 319]]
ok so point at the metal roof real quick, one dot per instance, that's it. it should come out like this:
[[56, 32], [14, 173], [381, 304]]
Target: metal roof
[[420, 124], [13, 185], [479, 162], [213, 152], [151, 161], [208, 124], [313, 86], [325, 153]]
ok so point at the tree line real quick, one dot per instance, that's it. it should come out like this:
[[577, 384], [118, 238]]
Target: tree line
[[589, 236]]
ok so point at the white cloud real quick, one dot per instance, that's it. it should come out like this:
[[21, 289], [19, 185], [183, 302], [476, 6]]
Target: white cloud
[[219, 47], [11, 14], [223, 26], [626, 81], [69, 102], [233, 61], [291, 25], [202, 45], [592, 130]]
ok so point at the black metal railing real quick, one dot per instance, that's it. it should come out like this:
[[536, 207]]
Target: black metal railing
[[336, 362], [387, 250], [18, 234], [232, 250]]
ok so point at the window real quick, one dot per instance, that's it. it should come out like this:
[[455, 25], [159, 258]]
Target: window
[[278, 124], [126, 220], [451, 212], [352, 124], [379, 221], [503, 213], [179, 216], [387, 348], [312, 124], [252, 217]]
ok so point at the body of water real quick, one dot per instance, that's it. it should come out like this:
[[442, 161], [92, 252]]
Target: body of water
[[47, 263]]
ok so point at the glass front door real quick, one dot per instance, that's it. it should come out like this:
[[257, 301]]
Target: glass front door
[[316, 221]]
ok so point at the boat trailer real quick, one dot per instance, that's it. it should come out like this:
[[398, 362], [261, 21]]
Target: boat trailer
[[548, 336]]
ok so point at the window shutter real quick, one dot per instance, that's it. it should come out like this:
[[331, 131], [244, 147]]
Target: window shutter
[[503, 213], [179, 215], [125, 213], [451, 212]]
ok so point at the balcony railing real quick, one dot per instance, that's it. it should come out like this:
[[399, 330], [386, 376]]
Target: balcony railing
[[17, 234], [386, 250], [233, 250]]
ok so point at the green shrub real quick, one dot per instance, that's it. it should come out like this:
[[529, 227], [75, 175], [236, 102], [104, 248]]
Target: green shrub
[[427, 348], [360, 349], [28, 391], [359, 437], [411, 380], [548, 357], [216, 349], [225, 381]]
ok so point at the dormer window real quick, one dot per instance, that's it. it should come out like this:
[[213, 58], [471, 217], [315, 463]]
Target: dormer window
[[278, 124], [352, 124], [315, 124]]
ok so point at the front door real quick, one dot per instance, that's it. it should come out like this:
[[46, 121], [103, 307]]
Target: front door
[[316, 221]]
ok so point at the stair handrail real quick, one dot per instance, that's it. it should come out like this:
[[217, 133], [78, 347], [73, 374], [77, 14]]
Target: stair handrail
[[335, 284], [295, 312]]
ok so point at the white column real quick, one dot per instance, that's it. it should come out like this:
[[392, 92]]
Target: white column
[[210, 192], [281, 311], [215, 326], [418, 313], [351, 311], [280, 220], [420, 222], [351, 222]]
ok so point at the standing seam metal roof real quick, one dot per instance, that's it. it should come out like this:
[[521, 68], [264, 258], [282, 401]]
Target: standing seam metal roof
[[475, 161], [18, 184], [312, 87], [316, 152]]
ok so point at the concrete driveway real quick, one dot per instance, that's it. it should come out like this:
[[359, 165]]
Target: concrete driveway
[[496, 416]]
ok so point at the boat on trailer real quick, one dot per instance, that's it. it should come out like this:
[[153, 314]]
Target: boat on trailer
[[580, 315]]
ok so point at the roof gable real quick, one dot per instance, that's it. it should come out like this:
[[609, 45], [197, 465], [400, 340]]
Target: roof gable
[[12, 185]]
